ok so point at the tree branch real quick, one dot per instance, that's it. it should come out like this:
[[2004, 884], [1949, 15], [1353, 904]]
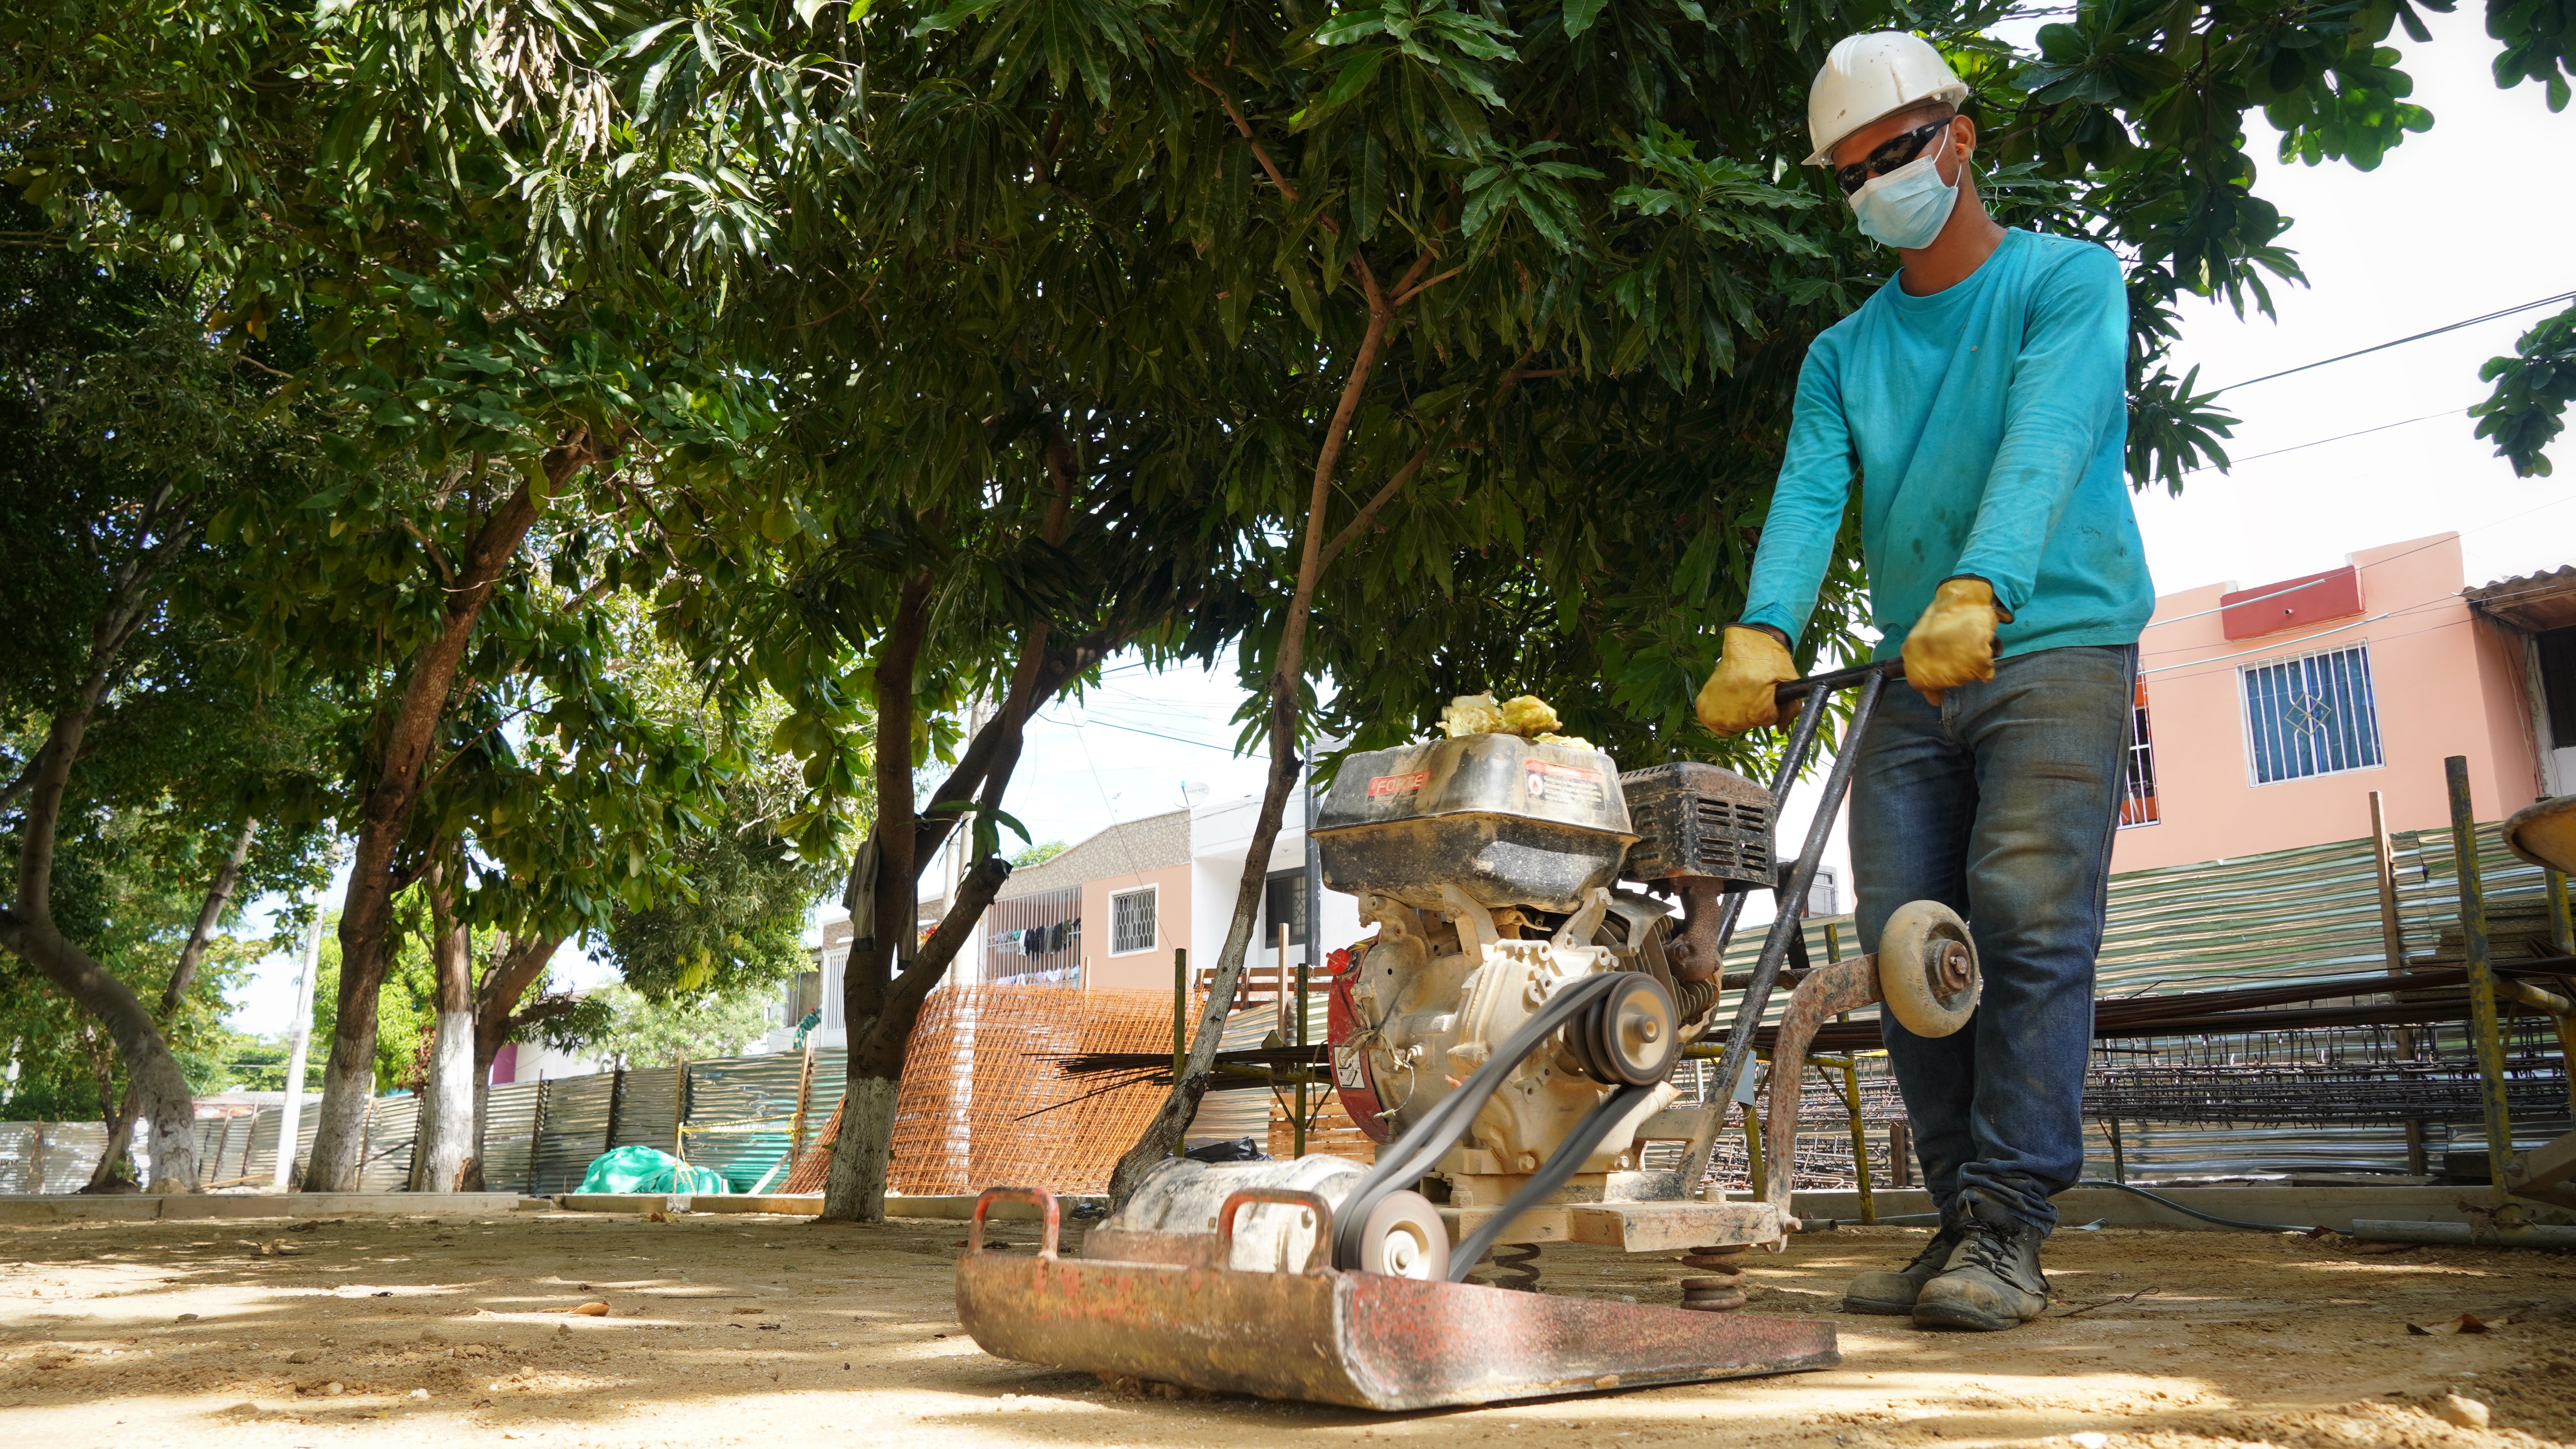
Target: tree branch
[[1033, 678], [435, 556], [1405, 474], [923, 972], [1409, 293], [208, 916], [1259, 153], [1368, 513]]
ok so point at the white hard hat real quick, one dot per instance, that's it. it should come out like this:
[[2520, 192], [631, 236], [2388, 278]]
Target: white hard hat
[[1870, 76]]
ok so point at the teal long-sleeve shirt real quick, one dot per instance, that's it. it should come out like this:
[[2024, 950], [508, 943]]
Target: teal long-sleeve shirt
[[1986, 423]]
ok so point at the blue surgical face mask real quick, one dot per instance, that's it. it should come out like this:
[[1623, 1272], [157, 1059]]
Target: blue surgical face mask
[[1907, 207]]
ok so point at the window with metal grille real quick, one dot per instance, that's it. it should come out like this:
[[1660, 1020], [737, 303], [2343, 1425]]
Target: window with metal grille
[[2138, 804], [1131, 921], [2313, 715], [1283, 903]]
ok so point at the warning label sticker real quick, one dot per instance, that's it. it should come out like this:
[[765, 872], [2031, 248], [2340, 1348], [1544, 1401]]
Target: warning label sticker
[[1350, 1069], [1404, 784], [1573, 785]]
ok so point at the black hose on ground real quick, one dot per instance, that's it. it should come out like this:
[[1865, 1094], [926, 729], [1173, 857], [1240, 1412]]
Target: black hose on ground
[[2156, 1198], [2197, 1213]]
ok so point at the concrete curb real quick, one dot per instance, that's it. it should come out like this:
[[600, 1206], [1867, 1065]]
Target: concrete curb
[[2333, 1207], [786, 1204], [958, 1208], [145, 1207]]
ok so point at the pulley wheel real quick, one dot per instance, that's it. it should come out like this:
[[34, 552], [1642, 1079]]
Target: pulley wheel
[[1632, 1036], [1404, 1238], [1927, 968]]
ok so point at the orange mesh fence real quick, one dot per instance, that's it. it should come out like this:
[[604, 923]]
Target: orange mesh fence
[[985, 1099]]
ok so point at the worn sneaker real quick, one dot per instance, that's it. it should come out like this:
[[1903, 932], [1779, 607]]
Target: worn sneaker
[[1992, 1279], [1886, 1292]]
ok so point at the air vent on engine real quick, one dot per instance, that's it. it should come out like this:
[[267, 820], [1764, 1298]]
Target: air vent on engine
[[1697, 820]]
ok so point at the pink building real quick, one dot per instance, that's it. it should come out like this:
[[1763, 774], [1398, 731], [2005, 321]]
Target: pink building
[[2270, 713]]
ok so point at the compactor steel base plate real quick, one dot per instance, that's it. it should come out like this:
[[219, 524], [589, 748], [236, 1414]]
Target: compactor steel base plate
[[1362, 1340]]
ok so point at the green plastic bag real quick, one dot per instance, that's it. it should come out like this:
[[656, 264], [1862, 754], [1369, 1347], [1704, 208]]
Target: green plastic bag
[[647, 1169]]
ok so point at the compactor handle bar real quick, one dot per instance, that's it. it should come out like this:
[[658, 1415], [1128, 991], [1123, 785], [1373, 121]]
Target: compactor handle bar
[[1242, 1197], [1894, 669], [1037, 1197]]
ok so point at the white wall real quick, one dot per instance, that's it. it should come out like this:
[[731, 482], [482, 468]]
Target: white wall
[[1220, 834]]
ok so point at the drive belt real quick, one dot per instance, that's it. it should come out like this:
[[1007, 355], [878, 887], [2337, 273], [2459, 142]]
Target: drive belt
[[1413, 1155], [1551, 1175]]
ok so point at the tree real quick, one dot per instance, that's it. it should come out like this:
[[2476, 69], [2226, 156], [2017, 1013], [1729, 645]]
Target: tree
[[983, 484], [140, 753], [349, 176]]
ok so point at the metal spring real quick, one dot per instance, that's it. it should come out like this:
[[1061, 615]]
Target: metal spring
[[1519, 1272], [1720, 1288]]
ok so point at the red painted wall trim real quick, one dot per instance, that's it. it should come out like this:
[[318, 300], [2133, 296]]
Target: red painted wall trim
[[2292, 603]]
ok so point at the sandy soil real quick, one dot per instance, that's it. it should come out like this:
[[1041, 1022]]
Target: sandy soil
[[736, 1330]]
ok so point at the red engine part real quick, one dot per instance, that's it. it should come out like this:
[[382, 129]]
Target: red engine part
[[1351, 1080]]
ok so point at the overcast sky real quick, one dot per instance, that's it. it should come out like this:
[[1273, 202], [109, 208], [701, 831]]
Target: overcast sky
[[2467, 219]]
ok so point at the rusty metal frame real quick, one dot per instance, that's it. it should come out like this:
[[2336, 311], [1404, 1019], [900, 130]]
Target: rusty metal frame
[[1328, 1335]]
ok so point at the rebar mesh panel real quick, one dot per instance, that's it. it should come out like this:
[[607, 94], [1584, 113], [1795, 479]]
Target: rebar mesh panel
[[2338, 1076]]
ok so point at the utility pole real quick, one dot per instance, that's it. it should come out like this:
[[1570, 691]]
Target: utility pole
[[299, 1035]]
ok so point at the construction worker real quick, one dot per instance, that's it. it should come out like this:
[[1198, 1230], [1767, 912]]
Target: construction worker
[[1979, 396]]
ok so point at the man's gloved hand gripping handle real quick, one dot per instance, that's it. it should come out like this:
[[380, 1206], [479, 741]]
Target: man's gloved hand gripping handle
[[1954, 641], [1738, 696]]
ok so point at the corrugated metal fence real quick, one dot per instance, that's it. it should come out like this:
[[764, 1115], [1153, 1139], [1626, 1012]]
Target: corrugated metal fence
[[2306, 915], [740, 1116], [2288, 916]]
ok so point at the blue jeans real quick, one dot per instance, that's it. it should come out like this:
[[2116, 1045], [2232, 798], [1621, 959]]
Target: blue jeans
[[2000, 803]]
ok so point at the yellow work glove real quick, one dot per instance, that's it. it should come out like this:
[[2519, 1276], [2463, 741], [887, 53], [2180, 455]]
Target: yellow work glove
[[1954, 641], [1737, 696]]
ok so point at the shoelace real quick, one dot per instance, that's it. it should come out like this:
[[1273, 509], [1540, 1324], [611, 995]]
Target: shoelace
[[1991, 1248]]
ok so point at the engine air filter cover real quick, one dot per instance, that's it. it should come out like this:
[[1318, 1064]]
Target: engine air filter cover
[[1698, 820], [1506, 821]]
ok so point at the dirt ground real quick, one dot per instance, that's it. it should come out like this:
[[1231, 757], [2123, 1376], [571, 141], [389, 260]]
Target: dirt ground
[[750, 1330]]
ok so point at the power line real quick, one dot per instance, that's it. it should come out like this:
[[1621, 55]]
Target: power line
[[1131, 729], [2337, 438], [2400, 342]]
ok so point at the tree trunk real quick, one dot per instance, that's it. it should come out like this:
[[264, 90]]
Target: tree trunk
[[862, 1153], [855, 1189], [1163, 1135], [446, 1127], [162, 1095], [366, 914], [880, 1010], [120, 1142], [116, 1113], [519, 964], [120, 1127]]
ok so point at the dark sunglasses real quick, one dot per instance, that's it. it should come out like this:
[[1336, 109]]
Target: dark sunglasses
[[1888, 157]]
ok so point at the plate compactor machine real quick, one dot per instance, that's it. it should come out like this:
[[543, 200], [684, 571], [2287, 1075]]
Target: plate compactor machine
[[1509, 1037]]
